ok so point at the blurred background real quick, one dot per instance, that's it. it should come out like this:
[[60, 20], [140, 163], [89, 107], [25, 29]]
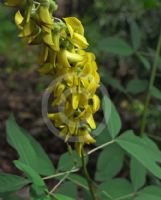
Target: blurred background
[[123, 34]]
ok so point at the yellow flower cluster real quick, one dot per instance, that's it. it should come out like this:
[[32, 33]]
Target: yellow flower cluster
[[64, 56]]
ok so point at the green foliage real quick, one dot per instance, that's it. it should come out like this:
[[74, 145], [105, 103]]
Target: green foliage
[[137, 174], [142, 151], [112, 117], [69, 189], [78, 180], [135, 35], [30, 173], [68, 160], [30, 152], [149, 193], [114, 189], [109, 163], [137, 86], [11, 183], [144, 61], [115, 45], [155, 92]]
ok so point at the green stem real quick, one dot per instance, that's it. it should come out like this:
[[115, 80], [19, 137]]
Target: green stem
[[101, 146], [87, 176], [151, 83]]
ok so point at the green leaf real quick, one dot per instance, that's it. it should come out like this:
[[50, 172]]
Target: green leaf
[[103, 137], [137, 86], [62, 197], [78, 180], [137, 174], [68, 189], [108, 79], [135, 35], [150, 193], [109, 163], [112, 117], [11, 183], [152, 144], [140, 149], [67, 161], [30, 151], [30, 173], [114, 189], [155, 92], [144, 61], [39, 193], [115, 45]]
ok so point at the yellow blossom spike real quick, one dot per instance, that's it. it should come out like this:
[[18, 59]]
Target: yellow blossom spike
[[74, 100]]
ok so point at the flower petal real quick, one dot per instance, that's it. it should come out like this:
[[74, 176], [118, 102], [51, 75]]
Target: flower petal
[[91, 122], [19, 19], [75, 24], [75, 101]]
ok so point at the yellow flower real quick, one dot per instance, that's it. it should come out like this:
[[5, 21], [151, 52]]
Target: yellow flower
[[76, 31], [45, 18], [63, 42], [19, 19], [85, 138], [29, 30]]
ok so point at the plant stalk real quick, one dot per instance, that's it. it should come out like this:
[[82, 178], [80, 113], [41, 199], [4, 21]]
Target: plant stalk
[[87, 176], [151, 83]]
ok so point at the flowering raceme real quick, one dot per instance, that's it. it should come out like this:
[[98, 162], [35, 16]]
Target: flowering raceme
[[63, 55]]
